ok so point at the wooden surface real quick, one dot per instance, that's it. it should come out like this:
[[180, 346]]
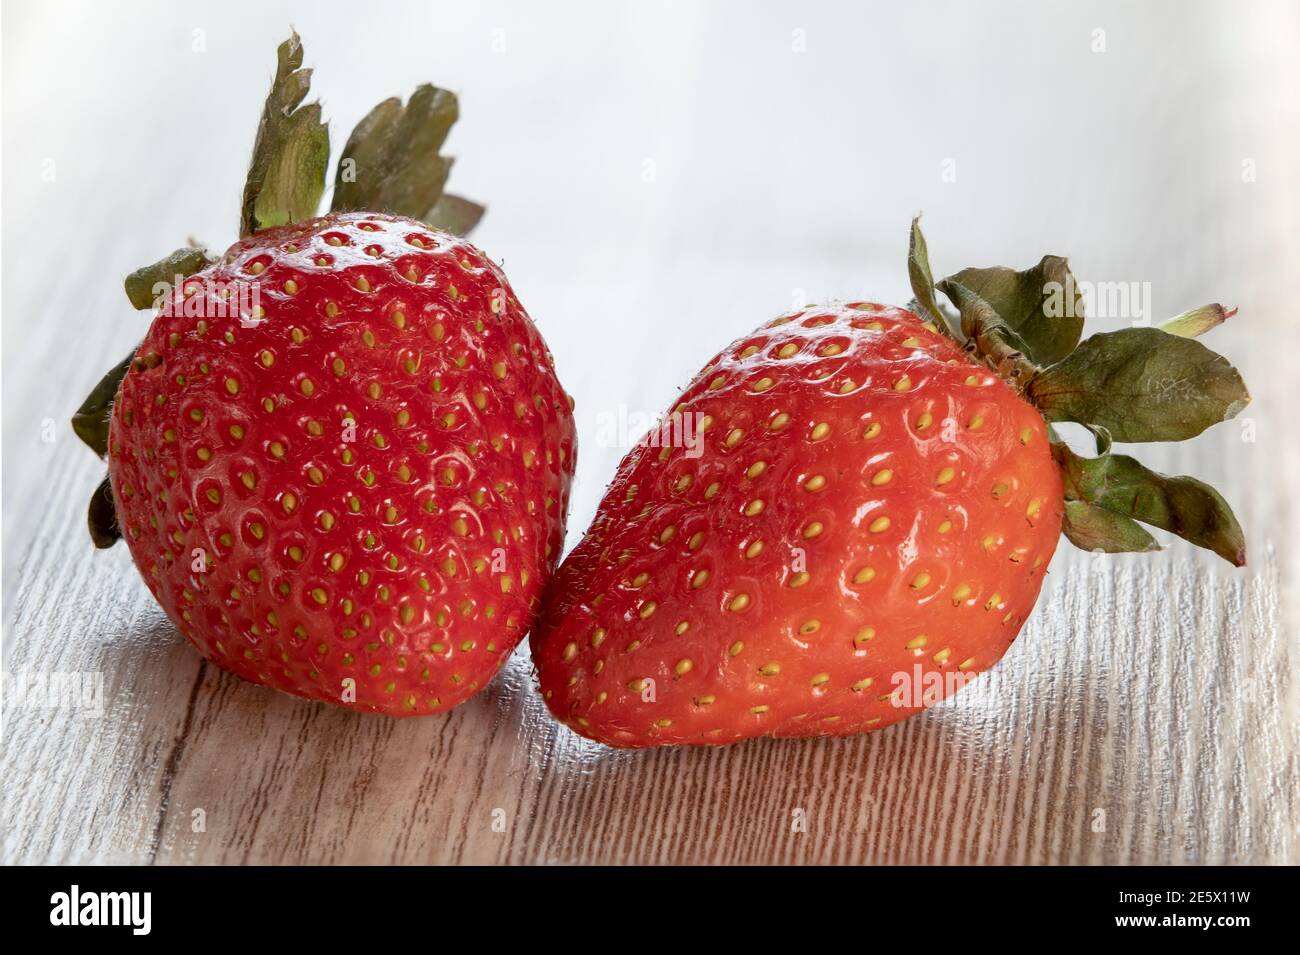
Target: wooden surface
[[1148, 712]]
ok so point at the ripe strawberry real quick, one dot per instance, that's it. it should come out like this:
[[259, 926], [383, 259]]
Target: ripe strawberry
[[866, 499], [341, 460], [867, 526], [375, 472]]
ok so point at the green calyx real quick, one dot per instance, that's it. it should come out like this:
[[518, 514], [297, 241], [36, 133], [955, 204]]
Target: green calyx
[[146, 285], [1106, 496], [91, 420], [1140, 384], [287, 174], [390, 164], [1134, 385]]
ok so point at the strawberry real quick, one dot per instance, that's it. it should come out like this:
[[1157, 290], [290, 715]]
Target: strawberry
[[867, 522], [341, 458]]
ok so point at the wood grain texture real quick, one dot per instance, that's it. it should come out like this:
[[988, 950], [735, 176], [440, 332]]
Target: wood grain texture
[[1150, 711], [1155, 694], [1148, 694]]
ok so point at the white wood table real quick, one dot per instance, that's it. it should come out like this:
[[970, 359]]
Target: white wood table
[[659, 183]]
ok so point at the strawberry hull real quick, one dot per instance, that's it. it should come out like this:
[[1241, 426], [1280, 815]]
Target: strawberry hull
[[867, 527], [341, 460]]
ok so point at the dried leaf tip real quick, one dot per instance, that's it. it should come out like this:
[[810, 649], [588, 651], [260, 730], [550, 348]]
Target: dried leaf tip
[[391, 163], [287, 175], [1198, 321]]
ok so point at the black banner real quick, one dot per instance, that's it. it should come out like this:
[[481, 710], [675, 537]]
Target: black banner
[[362, 906]]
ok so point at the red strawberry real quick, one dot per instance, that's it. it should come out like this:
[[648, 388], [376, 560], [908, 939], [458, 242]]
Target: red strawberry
[[867, 526], [376, 471], [341, 460], [866, 500]]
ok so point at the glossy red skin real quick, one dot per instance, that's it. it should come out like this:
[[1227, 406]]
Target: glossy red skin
[[813, 629], [275, 610]]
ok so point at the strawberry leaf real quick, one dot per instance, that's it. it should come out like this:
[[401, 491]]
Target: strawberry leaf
[[992, 337], [391, 163], [1137, 384], [1097, 529], [455, 215], [141, 285], [101, 516], [91, 420], [1141, 384], [918, 273], [287, 175], [1041, 305], [1123, 491]]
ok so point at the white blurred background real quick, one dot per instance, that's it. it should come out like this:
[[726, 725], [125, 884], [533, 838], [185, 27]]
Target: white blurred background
[[661, 178]]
